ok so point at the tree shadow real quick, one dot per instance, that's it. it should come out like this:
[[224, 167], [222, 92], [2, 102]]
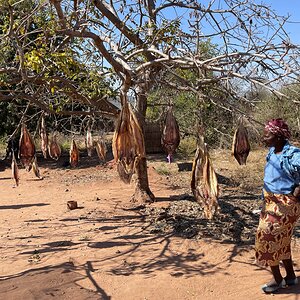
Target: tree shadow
[[19, 206], [37, 220], [85, 161], [130, 252], [125, 247], [57, 282], [162, 199], [226, 181], [188, 264], [35, 179], [28, 237], [176, 197], [107, 244], [107, 228], [52, 247], [5, 178], [236, 197]]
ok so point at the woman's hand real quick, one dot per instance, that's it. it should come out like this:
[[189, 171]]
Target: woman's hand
[[296, 192]]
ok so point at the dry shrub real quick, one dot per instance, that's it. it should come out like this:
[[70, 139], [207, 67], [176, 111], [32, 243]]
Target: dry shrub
[[245, 177]]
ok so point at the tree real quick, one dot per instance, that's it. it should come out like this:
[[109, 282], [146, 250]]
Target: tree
[[137, 43], [280, 108], [42, 67]]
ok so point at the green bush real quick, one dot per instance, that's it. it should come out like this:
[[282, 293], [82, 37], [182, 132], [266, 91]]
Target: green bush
[[187, 147], [163, 170]]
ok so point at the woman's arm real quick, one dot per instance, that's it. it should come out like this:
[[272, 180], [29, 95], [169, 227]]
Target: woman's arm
[[295, 171], [296, 192]]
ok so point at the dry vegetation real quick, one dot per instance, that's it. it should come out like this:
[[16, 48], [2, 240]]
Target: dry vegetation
[[240, 188]]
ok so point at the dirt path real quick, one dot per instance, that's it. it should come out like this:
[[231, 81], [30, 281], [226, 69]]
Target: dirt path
[[108, 250]]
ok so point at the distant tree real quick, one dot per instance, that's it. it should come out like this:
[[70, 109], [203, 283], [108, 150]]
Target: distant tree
[[269, 107]]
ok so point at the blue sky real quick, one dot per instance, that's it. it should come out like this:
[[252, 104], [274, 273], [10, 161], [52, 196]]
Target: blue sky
[[285, 7], [281, 7]]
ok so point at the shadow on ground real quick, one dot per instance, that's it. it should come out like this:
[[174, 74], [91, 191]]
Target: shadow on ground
[[52, 282]]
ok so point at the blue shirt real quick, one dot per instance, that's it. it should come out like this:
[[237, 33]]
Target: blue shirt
[[276, 180], [282, 171]]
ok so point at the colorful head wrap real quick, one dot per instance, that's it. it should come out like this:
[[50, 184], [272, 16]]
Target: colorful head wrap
[[279, 128]]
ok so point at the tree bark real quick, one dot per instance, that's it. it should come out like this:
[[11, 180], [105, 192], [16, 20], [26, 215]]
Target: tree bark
[[142, 192]]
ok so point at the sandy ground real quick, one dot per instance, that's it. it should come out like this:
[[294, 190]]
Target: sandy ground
[[102, 250]]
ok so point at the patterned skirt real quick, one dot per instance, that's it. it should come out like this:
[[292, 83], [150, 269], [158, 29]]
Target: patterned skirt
[[276, 224]]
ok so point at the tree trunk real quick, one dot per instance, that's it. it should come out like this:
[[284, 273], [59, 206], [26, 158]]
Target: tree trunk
[[141, 107], [142, 192]]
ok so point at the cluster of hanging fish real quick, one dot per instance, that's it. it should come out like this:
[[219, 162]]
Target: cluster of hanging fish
[[15, 169], [128, 142], [27, 155], [240, 144], [55, 150], [44, 138], [52, 147], [99, 145], [74, 154], [170, 136], [101, 148], [89, 141], [26, 148], [204, 182], [27, 151]]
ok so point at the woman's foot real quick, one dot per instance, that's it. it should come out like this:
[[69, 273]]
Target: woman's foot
[[273, 286], [291, 281]]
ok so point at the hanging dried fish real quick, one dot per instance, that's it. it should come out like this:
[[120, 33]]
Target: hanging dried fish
[[44, 138], [14, 169], [170, 136], [26, 148], [74, 154], [36, 169], [204, 182], [54, 148], [240, 144], [128, 142], [101, 149], [89, 141]]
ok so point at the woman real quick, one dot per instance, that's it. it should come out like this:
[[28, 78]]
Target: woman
[[281, 209]]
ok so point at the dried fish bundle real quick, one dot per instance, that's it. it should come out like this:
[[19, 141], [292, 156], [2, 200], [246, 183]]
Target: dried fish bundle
[[101, 149], [74, 154], [44, 138], [36, 169], [26, 148], [54, 148], [204, 182], [89, 141], [170, 137], [128, 142], [14, 169], [240, 144]]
